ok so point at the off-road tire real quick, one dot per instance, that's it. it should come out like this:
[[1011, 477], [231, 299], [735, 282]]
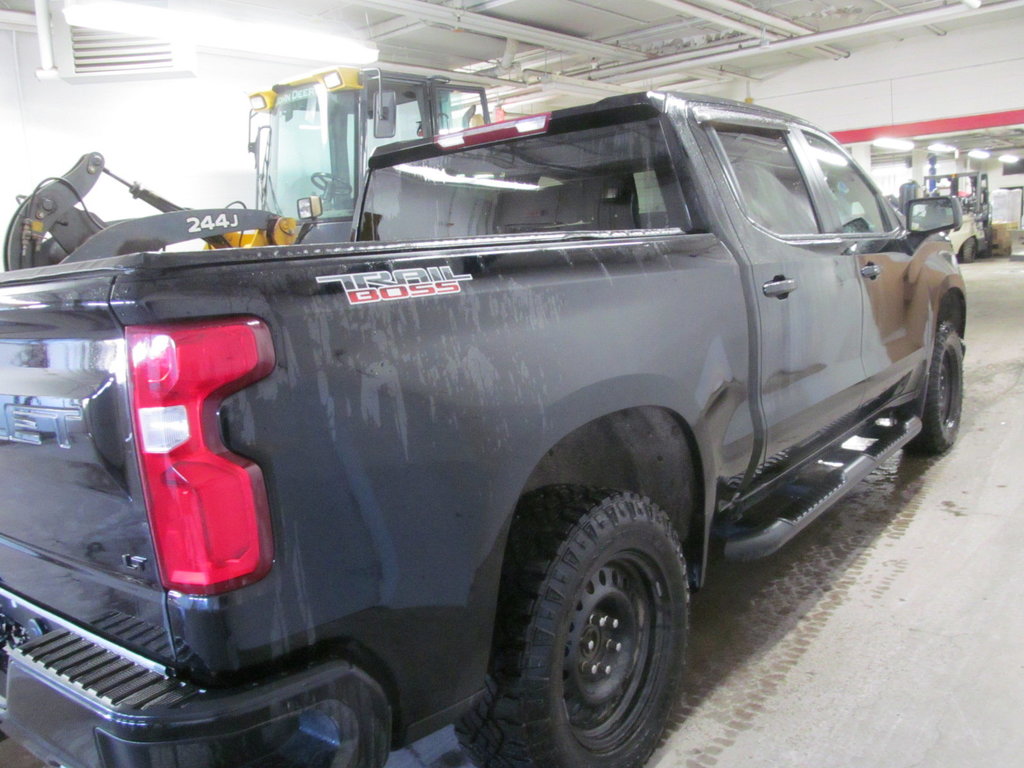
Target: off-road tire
[[968, 251], [590, 635], [943, 396]]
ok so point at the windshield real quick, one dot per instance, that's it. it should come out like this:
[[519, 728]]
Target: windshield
[[314, 143], [615, 178]]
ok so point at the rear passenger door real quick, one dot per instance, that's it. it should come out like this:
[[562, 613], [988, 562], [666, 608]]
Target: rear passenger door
[[852, 208], [808, 293]]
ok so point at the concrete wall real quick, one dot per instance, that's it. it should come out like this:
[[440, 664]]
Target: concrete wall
[[184, 138], [923, 77]]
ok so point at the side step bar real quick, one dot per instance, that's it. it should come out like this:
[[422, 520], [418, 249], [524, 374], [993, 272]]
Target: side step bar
[[798, 510]]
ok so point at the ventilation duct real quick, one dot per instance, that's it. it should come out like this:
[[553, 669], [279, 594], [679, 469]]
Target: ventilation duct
[[94, 55]]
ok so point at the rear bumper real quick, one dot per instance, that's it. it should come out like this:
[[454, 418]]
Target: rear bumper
[[76, 704]]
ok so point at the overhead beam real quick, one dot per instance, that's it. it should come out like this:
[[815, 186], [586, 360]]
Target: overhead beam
[[461, 77], [771, 21], [699, 12], [894, 9], [477, 22], [767, 19], [692, 59], [17, 20], [581, 86], [404, 24], [764, 32]]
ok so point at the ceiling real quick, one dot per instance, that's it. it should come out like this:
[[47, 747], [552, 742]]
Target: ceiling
[[569, 51], [550, 53]]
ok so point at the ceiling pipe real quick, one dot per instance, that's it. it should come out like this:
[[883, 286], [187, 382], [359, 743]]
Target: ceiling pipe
[[772, 22], [579, 86], [537, 60], [699, 12], [508, 58], [489, 25], [890, 7], [462, 77], [617, 73], [689, 60], [757, 32], [48, 68]]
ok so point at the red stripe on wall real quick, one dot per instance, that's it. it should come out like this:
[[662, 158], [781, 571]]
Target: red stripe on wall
[[947, 125]]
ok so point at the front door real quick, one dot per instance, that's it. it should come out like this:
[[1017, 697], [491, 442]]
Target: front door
[[808, 294], [895, 306]]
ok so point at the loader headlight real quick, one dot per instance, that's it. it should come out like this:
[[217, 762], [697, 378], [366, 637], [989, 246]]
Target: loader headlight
[[262, 101]]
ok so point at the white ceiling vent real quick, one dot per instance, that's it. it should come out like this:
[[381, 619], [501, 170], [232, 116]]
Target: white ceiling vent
[[82, 54]]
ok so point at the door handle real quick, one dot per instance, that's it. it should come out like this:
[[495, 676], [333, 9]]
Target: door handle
[[779, 288], [871, 270]]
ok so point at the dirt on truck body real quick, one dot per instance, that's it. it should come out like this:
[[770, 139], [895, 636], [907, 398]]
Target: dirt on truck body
[[300, 505]]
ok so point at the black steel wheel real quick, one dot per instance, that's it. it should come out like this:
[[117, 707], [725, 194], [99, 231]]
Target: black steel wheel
[[943, 396], [590, 636]]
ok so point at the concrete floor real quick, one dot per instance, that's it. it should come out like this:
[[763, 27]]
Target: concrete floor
[[890, 632]]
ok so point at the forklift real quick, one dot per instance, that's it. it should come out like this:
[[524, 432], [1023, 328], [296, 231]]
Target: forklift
[[974, 236]]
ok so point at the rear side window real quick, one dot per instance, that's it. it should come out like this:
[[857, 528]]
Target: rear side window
[[772, 189], [609, 178], [856, 206]]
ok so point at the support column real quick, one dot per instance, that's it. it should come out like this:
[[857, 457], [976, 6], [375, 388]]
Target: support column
[[862, 154], [919, 166]]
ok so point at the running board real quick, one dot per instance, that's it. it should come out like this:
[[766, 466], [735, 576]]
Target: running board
[[803, 500]]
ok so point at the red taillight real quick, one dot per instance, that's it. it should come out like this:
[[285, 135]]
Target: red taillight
[[207, 506], [484, 134]]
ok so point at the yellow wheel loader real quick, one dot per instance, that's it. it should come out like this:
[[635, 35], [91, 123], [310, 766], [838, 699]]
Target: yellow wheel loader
[[311, 139]]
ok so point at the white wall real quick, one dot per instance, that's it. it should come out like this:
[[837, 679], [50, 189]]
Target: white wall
[[924, 77], [998, 180], [183, 138], [186, 138]]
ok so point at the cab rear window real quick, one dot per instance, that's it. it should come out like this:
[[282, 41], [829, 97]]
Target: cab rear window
[[610, 178]]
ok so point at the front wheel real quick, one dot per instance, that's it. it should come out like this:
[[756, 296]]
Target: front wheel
[[969, 251], [943, 396], [590, 636]]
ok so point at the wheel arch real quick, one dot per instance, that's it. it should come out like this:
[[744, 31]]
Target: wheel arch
[[650, 450], [953, 307]]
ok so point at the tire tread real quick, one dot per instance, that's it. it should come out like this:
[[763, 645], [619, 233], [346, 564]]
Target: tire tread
[[501, 730]]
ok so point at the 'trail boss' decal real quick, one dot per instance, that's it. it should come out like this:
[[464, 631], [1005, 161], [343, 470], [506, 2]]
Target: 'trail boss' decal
[[413, 283]]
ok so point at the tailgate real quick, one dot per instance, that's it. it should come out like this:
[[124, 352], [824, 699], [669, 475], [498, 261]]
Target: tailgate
[[74, 536]]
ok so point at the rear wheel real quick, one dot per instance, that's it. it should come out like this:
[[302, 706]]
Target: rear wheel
[[943, 397], [590, 636], [968, 251]]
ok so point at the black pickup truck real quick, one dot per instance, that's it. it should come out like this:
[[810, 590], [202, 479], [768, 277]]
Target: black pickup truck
[[297, 506]]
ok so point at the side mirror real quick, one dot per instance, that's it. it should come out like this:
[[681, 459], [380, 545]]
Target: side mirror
[[385, 123], [928, 215]]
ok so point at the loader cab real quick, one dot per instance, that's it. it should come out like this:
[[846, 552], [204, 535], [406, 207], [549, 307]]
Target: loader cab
[[311, 138]]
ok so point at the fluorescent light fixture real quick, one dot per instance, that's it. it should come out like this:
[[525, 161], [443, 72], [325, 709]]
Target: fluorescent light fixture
[[1009, 159], [903, 145], [218, 32], [939, 147], [979, 154], [975, 4]]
